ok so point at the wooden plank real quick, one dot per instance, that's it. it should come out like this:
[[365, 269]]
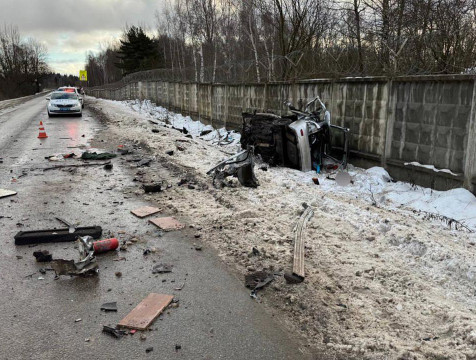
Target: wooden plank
[[146, 312], [145, 211], [5, 193], [298, 260], [167, 223]]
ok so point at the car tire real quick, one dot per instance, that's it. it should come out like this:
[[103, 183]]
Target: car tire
[[80, 114], [49, 115]]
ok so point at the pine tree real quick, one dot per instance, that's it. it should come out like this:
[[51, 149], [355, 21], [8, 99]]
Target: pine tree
[[137, 52]]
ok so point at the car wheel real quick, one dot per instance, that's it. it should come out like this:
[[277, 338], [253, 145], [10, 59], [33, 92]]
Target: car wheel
[[49, 115], [80, 114]]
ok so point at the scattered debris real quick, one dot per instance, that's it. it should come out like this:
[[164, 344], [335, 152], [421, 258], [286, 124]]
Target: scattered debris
[[118, 274], [108, 167], [149, 349], [43, 256], [169, 152], [55, 235], [113, 331], [146, 312], [154, 187], [198, 247], [239, 165], [78, 320], [162, 268], [258, 279], [167, 223], [145, 211], [95, 156], [6, 193], [178, 347], [315, 180], [111, 306], [298, 260]]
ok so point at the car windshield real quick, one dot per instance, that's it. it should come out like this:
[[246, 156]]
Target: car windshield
[[61, 96]]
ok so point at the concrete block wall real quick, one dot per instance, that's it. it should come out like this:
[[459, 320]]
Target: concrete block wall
[[428, 119]]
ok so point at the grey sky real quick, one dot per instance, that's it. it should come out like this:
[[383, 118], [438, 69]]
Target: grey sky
[[70, 28]]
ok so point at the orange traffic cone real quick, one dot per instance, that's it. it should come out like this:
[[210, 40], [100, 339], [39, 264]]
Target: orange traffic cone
[[42, 134]]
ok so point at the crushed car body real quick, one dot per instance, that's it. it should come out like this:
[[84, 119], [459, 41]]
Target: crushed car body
[[301, 141]]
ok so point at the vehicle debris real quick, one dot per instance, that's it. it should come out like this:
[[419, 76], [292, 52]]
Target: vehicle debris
[[43, 256], [167, 223], [95, 156], [113, 331], [301, 141], [73, 166], [144, 162], [70, 226], [240, 165], [146, 312], [149, 349], [145, 211], [55, 235], [85, 266], [111, 306], [6, 193], [162, 268], [257, 280], [298, 259], [154, 187]]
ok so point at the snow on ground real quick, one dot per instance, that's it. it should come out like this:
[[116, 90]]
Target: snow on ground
[[382, 282]]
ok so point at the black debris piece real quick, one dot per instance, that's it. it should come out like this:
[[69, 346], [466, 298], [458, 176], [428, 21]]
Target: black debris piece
[[146, 252], [149, 349], [111, 306], [169, 152], [255, 251], [154, 187], [178, 347], [55, 235], [205, 132], [155, 130], [43, 256], [95, 156], [162, 268], [258, 279], [113, 331], [293, 278], [108, 167]]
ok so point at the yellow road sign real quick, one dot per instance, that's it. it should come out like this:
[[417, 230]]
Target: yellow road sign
[[83, 75]]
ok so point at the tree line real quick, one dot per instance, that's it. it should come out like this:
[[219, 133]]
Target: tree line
[[274, 40], [23, 66]]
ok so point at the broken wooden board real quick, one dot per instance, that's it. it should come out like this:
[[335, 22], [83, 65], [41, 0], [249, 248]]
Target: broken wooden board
[[298, 260], [167, 223], [5, 193], [146, 312], [145, 211]]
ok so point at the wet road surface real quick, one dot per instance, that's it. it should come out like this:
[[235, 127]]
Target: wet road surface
[[216, 318]]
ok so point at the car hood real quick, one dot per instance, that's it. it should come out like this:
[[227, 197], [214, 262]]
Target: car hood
[[64, 102]]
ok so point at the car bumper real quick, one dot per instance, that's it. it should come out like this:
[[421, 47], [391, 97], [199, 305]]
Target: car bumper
[[69, 111]]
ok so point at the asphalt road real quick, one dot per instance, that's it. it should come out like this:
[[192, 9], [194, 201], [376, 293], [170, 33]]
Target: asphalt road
[[216, 318]]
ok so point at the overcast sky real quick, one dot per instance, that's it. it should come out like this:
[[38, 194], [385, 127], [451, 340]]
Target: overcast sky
[[70, 28]]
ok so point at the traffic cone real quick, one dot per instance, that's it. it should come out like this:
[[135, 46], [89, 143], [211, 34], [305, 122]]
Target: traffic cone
[[42, 134]]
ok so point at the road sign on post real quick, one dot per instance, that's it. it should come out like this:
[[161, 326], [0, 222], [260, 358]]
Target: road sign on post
[[83, 75]]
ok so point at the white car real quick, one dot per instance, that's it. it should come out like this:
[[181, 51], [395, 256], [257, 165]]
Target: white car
[[62, 103], [72, 89]]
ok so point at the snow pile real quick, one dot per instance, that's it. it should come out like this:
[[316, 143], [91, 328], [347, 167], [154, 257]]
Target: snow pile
[[168, 118]]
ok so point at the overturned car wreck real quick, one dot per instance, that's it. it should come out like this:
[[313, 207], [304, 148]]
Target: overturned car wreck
[[301, 141]]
